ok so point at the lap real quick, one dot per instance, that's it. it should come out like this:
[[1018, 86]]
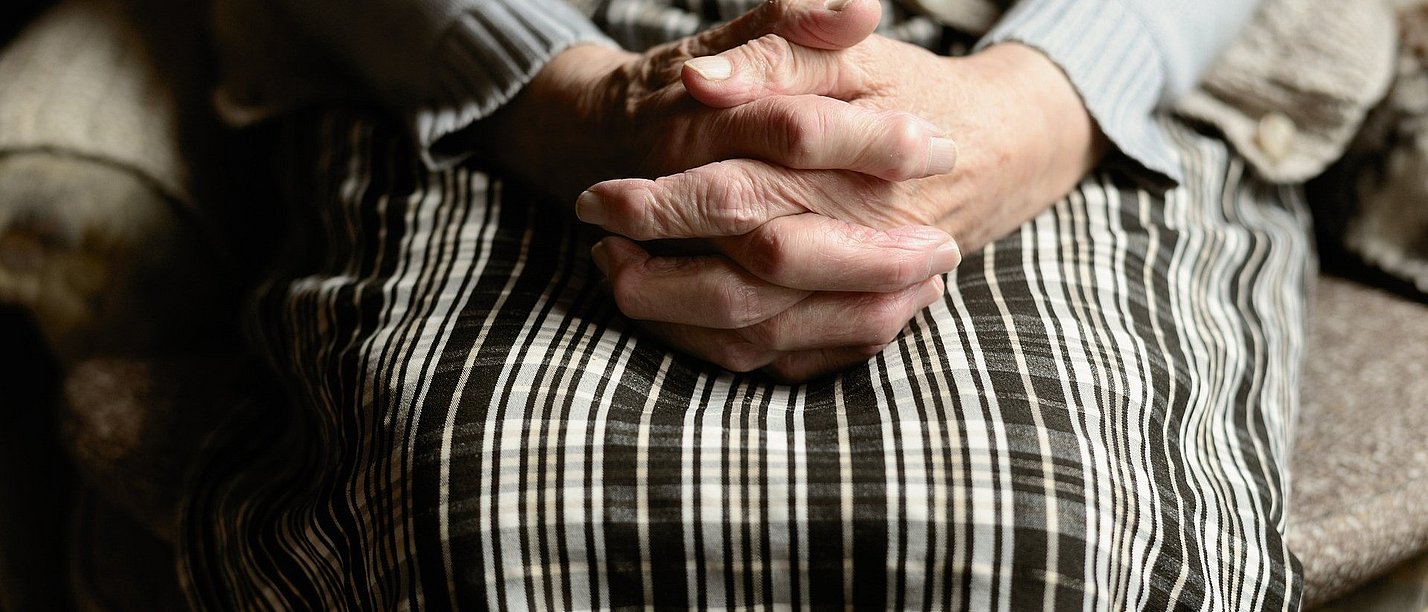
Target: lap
[[1098, 410]]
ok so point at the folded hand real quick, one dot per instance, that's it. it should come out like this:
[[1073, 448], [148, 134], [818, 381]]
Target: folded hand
[[596, 113], [1025, 140], [798, 295]]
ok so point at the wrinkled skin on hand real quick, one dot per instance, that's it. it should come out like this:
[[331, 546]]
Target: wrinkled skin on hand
[[811, 161], [1024, 140], [596, 113]]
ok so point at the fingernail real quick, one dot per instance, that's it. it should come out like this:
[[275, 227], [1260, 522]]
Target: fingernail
[[590, 208], [837, 5], [942, 156], [601, 255], [946, 257], [712, 68]]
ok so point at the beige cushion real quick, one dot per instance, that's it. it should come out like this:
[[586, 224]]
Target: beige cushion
[[80, 80], [1387, 220], [97, 256], [98, 238], [1360, 466], [1355, 509]]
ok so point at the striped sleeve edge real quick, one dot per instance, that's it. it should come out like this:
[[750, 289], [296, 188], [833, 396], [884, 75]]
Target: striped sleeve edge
[[488, 53], [1114, 64]]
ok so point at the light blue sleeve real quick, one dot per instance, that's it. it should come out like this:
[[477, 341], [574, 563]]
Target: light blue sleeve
[[1128, 58], [490, 51], [446, 63]]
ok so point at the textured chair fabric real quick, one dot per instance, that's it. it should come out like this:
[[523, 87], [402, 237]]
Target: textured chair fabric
[[1360, 467], [1357, 473]]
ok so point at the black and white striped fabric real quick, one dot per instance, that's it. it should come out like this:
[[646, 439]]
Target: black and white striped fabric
[[1097, 415]]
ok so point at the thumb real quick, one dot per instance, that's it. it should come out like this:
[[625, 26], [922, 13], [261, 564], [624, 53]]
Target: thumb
[[820, 24]]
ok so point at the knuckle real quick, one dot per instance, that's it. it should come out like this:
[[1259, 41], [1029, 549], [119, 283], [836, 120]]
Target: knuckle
[[649, 217], [886, 322], [643, 213], [768, 52], [906, 143], [799, 131], [680, 49], [661, 65], [630, 296], [742, 305], [857, 233], [767, 255], [907, 272], [767, 334], [773, 11], [730, 200], [898, 267], [907, 268], [741, 357], [634, 209]]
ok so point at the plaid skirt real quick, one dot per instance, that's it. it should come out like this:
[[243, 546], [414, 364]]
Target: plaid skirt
[[1097, 415]]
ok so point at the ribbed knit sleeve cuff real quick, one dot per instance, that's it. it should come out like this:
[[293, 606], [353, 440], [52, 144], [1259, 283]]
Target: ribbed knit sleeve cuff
[[489, 52], [1114, 64]]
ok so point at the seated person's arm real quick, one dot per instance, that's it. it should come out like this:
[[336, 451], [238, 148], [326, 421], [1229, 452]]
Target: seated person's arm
[[594, 112], [443, 64], [1126, 58], [535, 87], [1027, 137]]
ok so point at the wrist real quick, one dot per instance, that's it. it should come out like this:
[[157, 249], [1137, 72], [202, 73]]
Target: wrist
[[571, 80], [547, 134], [1074, 143]]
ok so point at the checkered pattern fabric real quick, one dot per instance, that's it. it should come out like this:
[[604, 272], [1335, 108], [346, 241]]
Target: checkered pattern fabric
[[1096, 416]]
